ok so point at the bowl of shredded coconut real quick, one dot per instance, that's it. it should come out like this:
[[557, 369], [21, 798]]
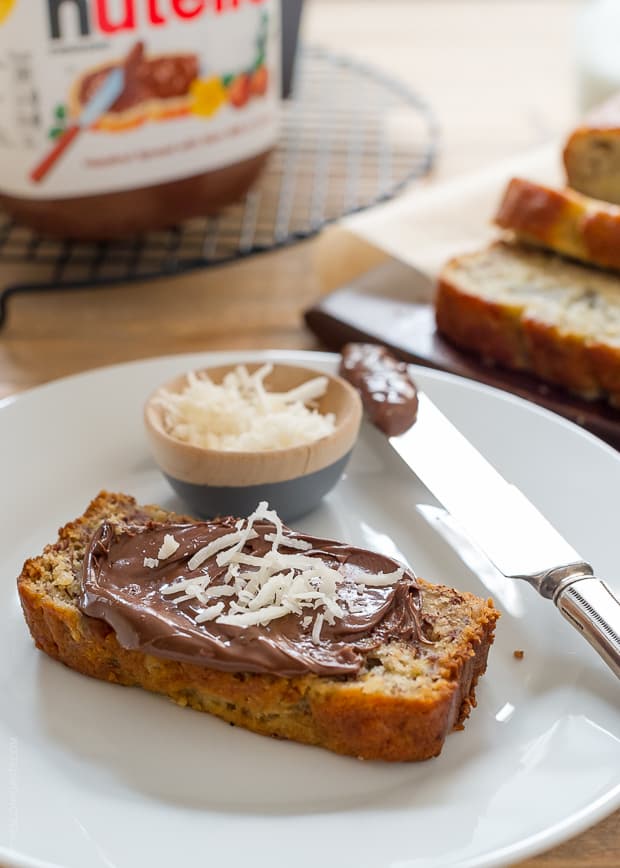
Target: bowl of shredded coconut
[[231, 436]]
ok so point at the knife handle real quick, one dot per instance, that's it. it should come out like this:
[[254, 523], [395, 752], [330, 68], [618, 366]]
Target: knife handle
[[590, 606], [61, 145]]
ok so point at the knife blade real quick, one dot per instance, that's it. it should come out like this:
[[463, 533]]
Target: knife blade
[[518, 540], [105, 97]]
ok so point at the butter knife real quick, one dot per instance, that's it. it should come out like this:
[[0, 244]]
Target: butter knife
[[513, 534]]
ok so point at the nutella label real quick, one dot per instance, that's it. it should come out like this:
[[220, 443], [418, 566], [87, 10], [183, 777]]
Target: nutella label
[[98, 96]]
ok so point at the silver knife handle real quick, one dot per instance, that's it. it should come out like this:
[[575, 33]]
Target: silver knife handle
[[591, 607]]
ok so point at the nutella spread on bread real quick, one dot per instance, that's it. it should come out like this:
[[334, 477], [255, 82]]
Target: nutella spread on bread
[[388, 393], [248, 596], [121, 117]]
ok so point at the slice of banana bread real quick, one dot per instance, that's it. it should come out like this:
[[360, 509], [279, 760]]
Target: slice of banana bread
[[530, 310], [592, 153], [562, 220], [402, 703]]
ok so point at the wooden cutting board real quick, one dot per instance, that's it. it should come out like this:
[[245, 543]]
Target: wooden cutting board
[[391, 304]]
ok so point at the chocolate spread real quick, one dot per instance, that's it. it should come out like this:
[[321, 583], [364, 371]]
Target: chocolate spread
[[118, 588], [388, 393], [160, 77]]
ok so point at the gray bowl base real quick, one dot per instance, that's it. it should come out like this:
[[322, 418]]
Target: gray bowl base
[[291, 499]]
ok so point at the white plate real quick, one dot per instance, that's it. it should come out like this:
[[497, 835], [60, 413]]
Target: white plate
[[95, 776]]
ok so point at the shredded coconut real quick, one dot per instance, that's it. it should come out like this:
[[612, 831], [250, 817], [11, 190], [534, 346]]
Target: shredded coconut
[[240, 414], [382, 580], [168, 547], [316, 630], [210, 613], [282, 581], [216, 546]]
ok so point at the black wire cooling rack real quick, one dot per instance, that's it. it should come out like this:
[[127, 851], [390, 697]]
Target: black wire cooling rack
[[351, 137]]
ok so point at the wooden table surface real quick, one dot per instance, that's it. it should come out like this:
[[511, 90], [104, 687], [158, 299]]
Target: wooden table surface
[[499, 75]]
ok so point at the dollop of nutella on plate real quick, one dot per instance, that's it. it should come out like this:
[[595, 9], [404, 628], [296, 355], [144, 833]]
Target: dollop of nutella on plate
[[389, 395], [216, 594]]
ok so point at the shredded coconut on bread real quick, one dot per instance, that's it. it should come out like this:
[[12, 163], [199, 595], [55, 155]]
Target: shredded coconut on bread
[[400, 706]]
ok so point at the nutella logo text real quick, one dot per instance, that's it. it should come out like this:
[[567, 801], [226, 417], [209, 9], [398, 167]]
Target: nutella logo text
[[108, 17]]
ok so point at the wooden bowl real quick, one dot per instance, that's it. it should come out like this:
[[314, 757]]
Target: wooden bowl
[[292, 480]]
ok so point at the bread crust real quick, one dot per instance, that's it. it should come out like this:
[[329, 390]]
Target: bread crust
[[524, 336], [380, 714], [562, 220]]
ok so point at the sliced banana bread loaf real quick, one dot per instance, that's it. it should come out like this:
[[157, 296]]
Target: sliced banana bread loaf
[[592, 153], [532, 311]]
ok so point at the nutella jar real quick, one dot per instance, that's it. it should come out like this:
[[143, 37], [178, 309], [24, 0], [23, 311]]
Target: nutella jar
[[121, 116]]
